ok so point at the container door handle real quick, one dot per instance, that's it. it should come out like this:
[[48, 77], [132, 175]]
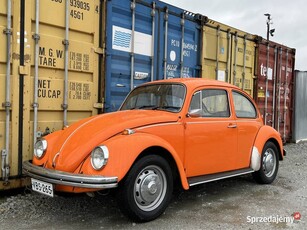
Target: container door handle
[[232, 126]]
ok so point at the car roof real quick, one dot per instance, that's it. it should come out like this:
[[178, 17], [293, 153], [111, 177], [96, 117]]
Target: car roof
[[196, 82]]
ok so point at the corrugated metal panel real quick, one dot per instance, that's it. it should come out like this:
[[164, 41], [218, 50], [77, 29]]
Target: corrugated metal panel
[[147, 40], [274, 94], [300, 110], [54, 58], [228, 55]]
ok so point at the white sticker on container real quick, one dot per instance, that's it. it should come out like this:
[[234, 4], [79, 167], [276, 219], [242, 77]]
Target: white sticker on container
[[172, 55], [122, 38]]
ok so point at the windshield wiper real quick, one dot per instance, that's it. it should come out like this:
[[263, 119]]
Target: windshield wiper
[[169, 108], [152, 107]]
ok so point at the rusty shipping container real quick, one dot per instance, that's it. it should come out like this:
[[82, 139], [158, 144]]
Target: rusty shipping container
[[274, 85], [49, 65], [228, 55]]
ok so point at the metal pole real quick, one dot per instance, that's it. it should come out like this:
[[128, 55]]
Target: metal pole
[[235, 59], [285, 96], [244, 64], [279, 86], [217, 51], [36, 38], [274, 87], [182, 45], [266, 83], [7, 104], [228, 56], [66, 45], [165, 41], [267, 68], [132, 44], [153, 13]]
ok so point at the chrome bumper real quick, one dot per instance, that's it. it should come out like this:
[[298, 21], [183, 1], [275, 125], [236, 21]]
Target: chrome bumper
[[69, 179]]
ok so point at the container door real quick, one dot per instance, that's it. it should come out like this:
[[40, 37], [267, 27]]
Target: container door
[[54, 75], [266, 83], [274, 87], [216, 53], [131, 31], [147, 41], [285, 93], [180, 51], [228, 55]]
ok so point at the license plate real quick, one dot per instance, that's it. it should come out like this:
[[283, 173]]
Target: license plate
[[42, 187]]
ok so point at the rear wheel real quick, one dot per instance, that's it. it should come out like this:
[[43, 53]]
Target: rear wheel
[[269, 165], [146, 191]]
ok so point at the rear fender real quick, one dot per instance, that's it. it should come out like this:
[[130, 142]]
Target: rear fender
[[265, 134]]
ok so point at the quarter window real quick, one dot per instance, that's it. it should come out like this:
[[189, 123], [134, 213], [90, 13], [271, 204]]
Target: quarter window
[[210, 103], [243, 106]]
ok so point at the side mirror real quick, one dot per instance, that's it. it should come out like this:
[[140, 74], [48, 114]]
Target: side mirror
[[194, 113]]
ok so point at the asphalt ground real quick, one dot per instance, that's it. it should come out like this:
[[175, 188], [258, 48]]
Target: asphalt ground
[[236, 203]]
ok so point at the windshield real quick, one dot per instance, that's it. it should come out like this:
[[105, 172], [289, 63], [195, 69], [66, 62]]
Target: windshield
[[169, 97]]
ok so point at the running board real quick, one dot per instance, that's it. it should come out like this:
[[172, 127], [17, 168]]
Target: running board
[[218, 176]]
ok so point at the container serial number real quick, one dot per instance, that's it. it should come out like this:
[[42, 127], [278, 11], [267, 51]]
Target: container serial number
[[76, 14], [80, 5]]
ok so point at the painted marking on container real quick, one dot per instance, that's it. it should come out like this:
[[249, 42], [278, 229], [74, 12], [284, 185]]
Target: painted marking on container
[[172, 55], [51, 57], [264, 71], [122, 37], [79, 91], [140, 75], [45, 90]]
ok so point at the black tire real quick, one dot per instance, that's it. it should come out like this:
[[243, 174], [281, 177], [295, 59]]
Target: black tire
[[269, 165], [147, 189]]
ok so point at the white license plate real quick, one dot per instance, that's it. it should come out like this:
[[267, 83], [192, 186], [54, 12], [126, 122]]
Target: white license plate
[[42, 187]]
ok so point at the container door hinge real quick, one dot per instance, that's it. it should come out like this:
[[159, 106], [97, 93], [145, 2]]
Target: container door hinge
[[99, 50], [5, 167], [23, 70], [98, 105]]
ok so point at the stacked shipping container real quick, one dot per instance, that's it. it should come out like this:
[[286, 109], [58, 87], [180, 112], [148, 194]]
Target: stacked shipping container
[[274, 85], [55, 70], [48, 73], [145, 41], [228, 55]]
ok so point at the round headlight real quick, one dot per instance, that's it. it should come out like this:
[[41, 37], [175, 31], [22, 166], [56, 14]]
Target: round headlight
[[40, 148], [99, 157]]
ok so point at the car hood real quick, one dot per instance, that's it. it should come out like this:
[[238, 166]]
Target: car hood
[[73, 144]]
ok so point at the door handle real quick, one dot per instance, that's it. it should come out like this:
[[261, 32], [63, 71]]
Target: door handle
[[232, 126]]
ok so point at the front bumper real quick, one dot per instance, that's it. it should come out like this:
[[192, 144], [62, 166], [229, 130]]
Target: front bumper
[[68, 179]]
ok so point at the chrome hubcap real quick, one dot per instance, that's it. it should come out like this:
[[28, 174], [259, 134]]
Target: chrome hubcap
[[150, 188], [269, 162]]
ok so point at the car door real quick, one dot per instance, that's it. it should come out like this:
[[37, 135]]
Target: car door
[[210, 134], [248, 124]]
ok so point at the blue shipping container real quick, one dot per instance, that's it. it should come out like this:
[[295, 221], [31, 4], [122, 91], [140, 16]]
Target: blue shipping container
[[146, 41]]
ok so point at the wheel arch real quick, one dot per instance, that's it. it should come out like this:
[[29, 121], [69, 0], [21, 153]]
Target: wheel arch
[[164, 153], [139, 145], [268, 134]]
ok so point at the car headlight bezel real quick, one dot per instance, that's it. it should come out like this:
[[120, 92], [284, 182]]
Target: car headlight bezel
[[99, 157], [40, 148]]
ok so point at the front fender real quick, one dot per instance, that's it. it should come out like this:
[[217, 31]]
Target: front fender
[[125, 149], [265, 134]]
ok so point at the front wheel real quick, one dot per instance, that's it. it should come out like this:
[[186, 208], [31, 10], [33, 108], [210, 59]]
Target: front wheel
[[146, 191], [269, 165]]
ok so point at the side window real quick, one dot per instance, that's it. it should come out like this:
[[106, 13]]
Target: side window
[[243, 106], [210, 103]]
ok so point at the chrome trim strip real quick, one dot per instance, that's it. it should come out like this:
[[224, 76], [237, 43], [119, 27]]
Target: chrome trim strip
[[69, 179], [219, 176]]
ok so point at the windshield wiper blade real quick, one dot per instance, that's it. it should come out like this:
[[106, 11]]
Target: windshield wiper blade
[[152, 107]]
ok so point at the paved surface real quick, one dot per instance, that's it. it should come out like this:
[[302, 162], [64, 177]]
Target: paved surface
[[237, 203]]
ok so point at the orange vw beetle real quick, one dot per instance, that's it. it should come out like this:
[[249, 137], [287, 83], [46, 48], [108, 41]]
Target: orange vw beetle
[[169, 132]]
